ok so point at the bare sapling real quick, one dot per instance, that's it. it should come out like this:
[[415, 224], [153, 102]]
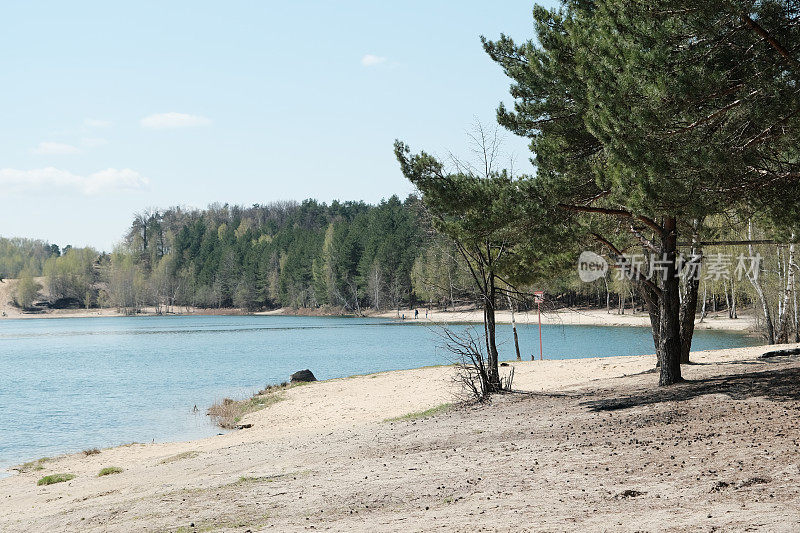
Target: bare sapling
[[471, 364]]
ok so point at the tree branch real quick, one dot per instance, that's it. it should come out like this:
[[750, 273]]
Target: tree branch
[[753, 25], [615, 212], [616, 251]]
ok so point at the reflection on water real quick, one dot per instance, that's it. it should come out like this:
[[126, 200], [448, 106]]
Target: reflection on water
[[71, 384]]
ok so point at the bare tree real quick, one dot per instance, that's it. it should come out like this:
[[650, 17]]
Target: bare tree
[[471, 363]]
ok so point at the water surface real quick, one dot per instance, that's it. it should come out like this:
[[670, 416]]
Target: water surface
[[75, 383]]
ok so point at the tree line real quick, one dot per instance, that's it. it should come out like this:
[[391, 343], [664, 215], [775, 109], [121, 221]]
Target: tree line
[[346, 256]]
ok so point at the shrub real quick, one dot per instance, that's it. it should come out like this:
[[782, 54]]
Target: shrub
[[109, 470], [228, 413]]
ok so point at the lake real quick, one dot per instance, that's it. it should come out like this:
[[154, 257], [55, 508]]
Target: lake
[[74, 383]]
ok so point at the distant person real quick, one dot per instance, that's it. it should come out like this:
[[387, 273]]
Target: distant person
[[426, 314], [416, 314]]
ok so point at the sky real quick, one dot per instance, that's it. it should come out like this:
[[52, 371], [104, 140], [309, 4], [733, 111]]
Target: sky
[[109, 108]]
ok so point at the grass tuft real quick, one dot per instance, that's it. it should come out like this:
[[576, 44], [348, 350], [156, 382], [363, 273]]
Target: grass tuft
[[55, 478], [422, 414], [179, 457], [31, 466], [271, 478], [228, 413], [91, 451], [109, 470], [260, 479]]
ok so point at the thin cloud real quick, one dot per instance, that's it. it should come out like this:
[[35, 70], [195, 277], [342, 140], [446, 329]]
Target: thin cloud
[[52, 148], [93, 142], [55, 181], [371, 60], [96, 123], [172, 120]]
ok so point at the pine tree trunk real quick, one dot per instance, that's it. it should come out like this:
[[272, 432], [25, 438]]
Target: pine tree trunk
[[792, 266], [489, 309], [650, 298], [668, 349]]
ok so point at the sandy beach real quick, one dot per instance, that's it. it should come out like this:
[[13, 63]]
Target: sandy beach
[[564, 317], [575, 317], [585, 444]]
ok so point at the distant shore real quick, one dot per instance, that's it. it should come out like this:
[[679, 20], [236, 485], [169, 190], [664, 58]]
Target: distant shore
[[573, 317], [561, 317]]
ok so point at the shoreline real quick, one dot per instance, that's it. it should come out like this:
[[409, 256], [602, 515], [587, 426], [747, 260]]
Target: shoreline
[[549, 372], [577, 317], [563, 317], [551, 375], [318, 418], [467, 314], [8, 468]]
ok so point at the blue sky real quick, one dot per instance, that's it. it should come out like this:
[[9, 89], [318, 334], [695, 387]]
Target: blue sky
[[111, 107]]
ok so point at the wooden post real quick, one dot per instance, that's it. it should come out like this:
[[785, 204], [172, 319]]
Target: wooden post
[[514, 326]]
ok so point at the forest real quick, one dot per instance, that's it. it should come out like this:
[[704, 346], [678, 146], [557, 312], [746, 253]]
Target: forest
[[345, 257]]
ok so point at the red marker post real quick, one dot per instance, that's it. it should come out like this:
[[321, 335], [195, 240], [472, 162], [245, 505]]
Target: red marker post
[[539, 298]]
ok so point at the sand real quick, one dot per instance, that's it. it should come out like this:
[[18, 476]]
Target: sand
[[9, 311], [590, 444], [577, 317]]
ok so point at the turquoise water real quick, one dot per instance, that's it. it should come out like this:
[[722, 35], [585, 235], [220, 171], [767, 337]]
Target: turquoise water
[[76, 383]]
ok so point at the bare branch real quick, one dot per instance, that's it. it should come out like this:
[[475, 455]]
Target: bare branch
[[615, 212], [753, 25]]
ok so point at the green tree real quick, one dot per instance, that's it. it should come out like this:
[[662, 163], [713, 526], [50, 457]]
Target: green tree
[[26, 290], [72, 276], [480, 213], [647, 117]]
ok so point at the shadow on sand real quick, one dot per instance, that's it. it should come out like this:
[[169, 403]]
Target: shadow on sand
[[782, 384]]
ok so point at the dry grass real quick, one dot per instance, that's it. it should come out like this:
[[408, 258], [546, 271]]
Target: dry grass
[[179, 457], [91, 451], [31, 466], [228, 413], [422, 414]]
